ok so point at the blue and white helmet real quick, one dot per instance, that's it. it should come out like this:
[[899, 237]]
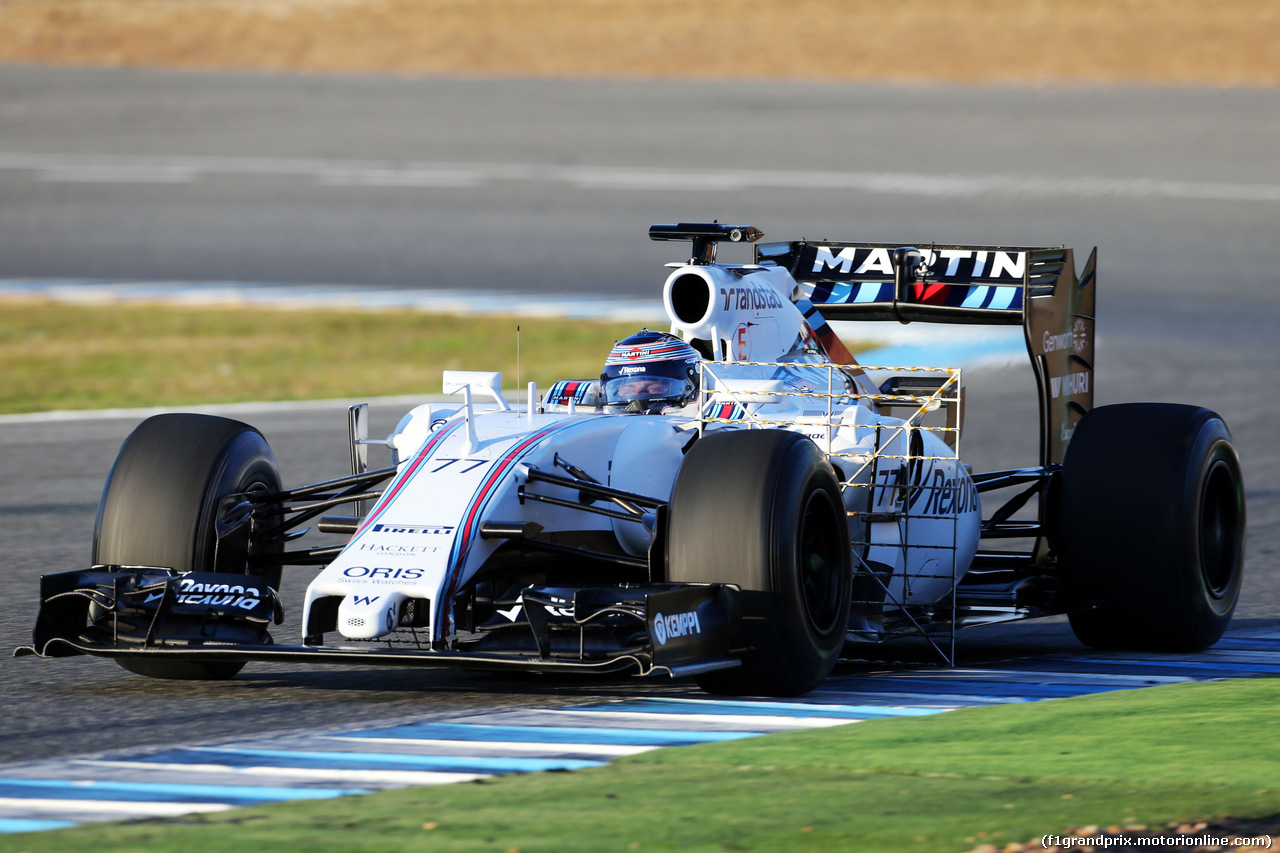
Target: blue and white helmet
[[650, 370]]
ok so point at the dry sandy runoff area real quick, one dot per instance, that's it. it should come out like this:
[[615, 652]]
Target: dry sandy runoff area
[[1213, 42]]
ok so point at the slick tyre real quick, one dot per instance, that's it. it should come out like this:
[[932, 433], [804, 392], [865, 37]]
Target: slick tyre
[[761, 509], [1151, 527], [160, 505]]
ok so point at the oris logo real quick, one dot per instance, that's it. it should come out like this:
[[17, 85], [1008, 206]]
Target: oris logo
[[675, 625], [382, 573]]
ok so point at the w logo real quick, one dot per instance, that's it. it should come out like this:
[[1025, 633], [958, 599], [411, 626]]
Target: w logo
[[365, 599]]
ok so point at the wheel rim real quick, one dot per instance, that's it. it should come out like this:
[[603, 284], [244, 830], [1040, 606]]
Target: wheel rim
[[820, 563], [239, 558], [1219, 529]]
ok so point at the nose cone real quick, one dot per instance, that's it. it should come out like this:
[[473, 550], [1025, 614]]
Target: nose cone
[[369, 616]]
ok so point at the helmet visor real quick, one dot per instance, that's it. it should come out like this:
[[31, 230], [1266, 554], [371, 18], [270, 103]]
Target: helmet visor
[[627, 389]]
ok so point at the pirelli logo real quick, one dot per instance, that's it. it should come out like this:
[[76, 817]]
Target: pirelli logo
[[421, 529]]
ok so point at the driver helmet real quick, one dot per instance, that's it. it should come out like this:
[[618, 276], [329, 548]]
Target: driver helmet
[[649, 371]]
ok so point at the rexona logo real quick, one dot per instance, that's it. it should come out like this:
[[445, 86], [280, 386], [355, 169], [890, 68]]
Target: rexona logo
[[218, 594], [426, 529], [675, 625], [945, 495]]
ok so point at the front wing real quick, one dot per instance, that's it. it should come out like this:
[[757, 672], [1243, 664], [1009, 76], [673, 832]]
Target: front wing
[[156, 613]]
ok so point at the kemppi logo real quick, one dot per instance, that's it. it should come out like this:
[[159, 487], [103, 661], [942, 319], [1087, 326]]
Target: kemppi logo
[[675, 625]]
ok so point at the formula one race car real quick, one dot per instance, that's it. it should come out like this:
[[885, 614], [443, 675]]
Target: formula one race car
[[735, 500]]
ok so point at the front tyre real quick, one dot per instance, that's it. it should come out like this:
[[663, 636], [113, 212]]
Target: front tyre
[[1151, 536], [761, 509], [160, 506]]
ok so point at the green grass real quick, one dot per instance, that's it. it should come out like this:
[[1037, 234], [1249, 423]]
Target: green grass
[[942, 783], [55, 356]]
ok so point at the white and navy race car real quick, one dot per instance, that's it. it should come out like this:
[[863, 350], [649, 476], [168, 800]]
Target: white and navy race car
[[734, 499]]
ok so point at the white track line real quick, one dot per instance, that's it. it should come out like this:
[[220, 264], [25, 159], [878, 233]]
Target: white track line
[[550, 748], [124, 808], [318, 774], [747, 722], [100, 168]]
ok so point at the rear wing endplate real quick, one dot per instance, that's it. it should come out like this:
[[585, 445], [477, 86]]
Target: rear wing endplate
[[1036, 288]]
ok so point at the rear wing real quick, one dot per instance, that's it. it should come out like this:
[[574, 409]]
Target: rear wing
[[1036, 288]]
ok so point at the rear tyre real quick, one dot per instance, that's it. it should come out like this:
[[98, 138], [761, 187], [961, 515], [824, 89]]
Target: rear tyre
[[761, 509], [1151, 530], [160, 505]]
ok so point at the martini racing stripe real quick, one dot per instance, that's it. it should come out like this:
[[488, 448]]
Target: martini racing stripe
[[405, 476], [724, 412], [991, 296], [641, 354], [472, 515], [826, 336], [842, 292], [565, 391]]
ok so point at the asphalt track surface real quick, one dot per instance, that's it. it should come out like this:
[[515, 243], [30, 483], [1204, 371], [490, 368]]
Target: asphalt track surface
[[208, 775], [549, 187]]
